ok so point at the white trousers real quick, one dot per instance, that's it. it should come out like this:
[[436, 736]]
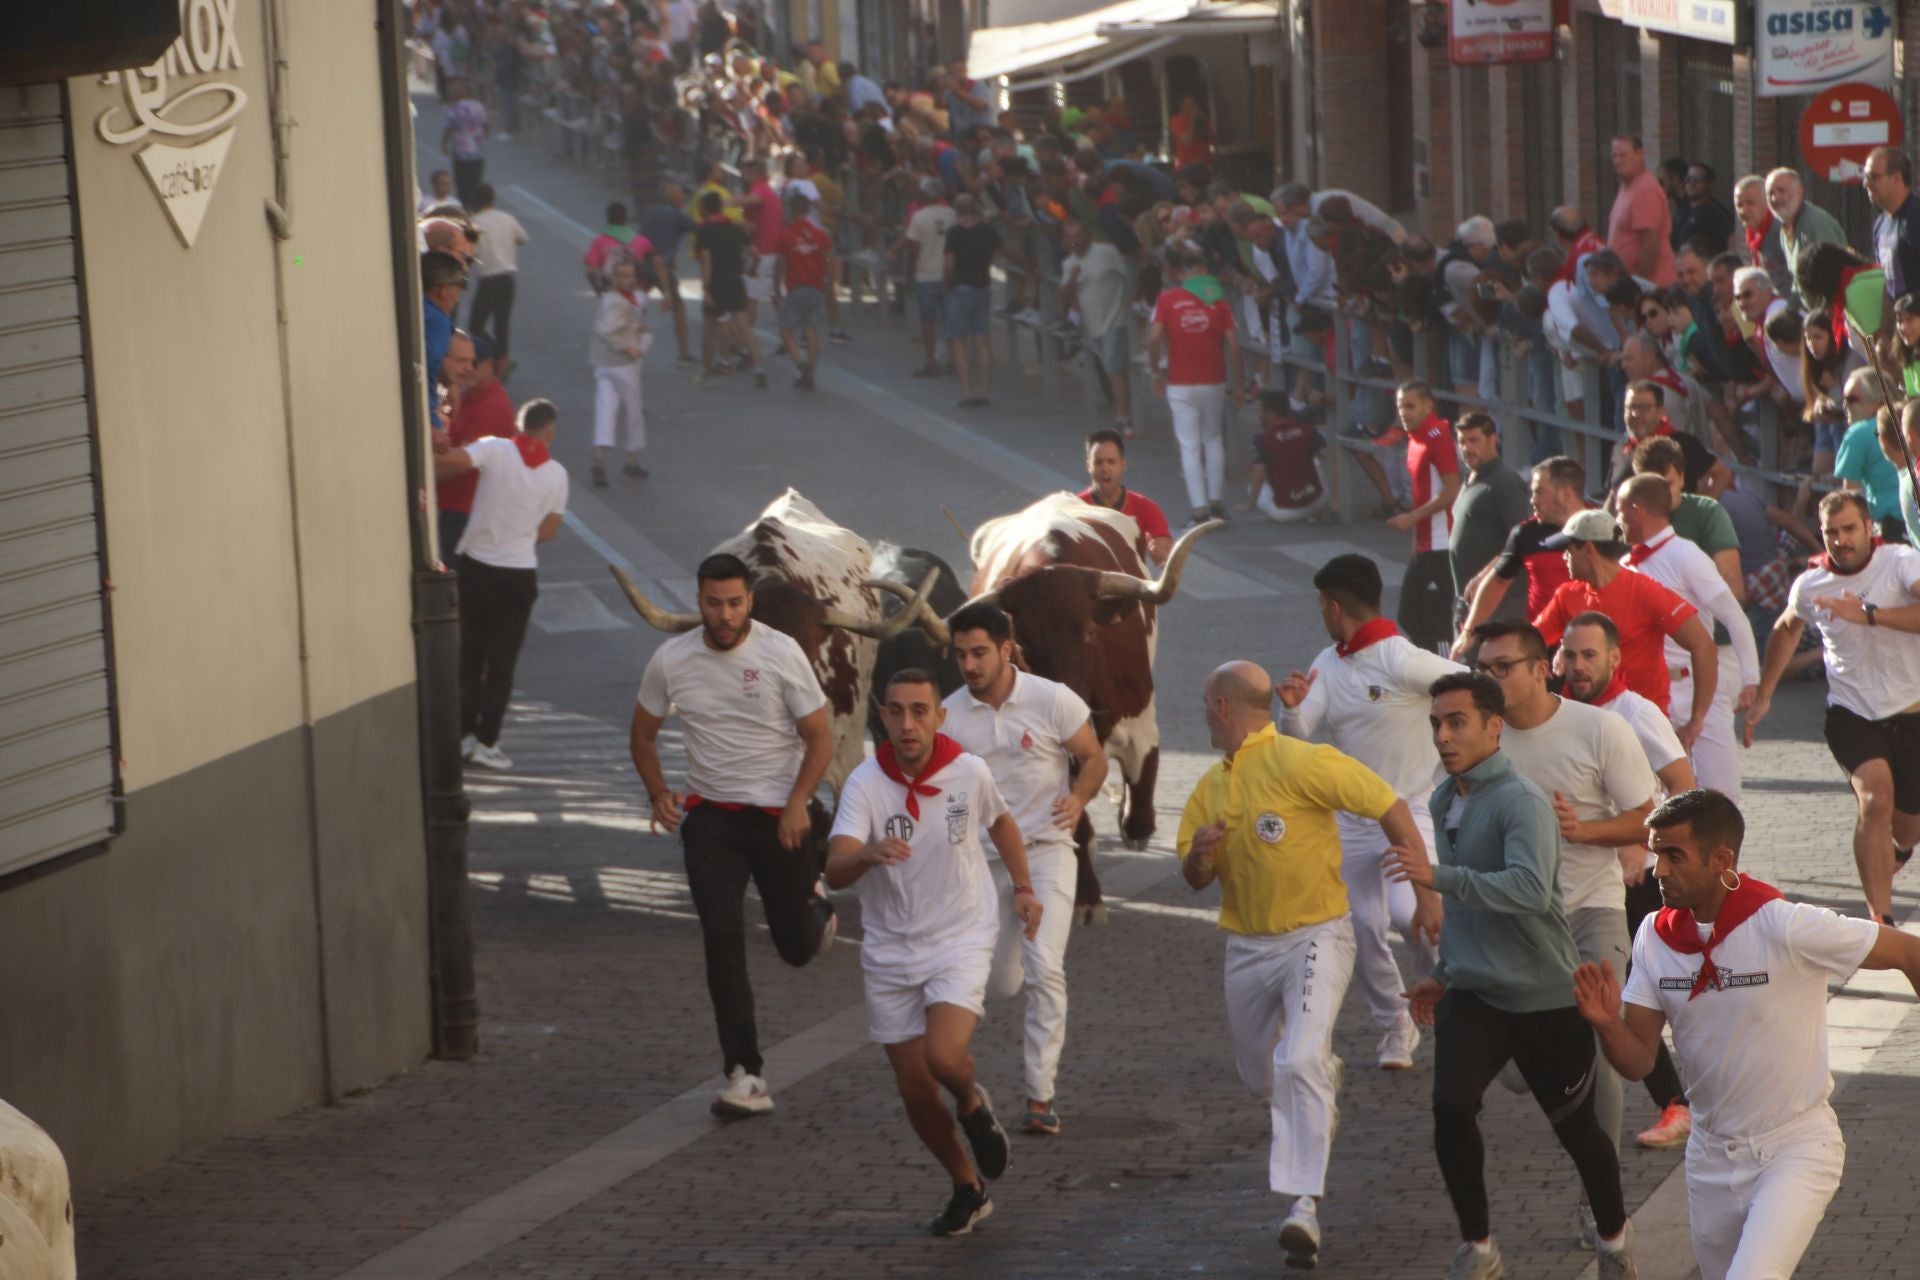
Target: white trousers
[[616, 390], [1376, 902], [1288, 515], [1200, 425], [1716, 752], [1283, 992], [1039, 963], [1756, 1202]]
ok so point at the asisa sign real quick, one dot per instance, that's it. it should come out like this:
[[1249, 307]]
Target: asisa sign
[[183, 109], [1804, 46]]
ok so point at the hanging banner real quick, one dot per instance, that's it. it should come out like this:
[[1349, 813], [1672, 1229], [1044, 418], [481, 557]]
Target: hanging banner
[[1804, 46], [1715, 20], [1489, 32]]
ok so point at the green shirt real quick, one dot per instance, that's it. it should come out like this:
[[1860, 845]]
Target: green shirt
[[1814, 226]]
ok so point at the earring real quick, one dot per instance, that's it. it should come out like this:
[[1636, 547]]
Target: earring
[[1730, 888]]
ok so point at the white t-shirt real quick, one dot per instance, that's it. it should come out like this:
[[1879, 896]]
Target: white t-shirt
[[737, 711], [1024, 743], [1591, 757], [1102, 276], [916, 914], [1650, 725], [681, 16], [1786, 368], [1374, 705], [1753, 1051], [501, 236], [927, 229], [509, 504], [1873, 672], [1679, 565]]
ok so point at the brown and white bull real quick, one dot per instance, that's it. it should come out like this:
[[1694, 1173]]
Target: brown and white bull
[[810, 580], [1070, 576]]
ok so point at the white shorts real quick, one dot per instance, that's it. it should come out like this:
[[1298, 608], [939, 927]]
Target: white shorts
[[760, 283], [897, 1003]]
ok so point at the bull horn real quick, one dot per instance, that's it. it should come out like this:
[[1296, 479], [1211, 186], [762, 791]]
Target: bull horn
[[671, 623], [1160, 590], [930, 622], [888, 628]]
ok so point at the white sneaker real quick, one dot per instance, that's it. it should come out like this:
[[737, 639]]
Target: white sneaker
[[1585, 1226], [490, 757], [1470, 1263], [467, 744], [1397, 1046], [1300, 1234], [832, 931], [744, 1095]]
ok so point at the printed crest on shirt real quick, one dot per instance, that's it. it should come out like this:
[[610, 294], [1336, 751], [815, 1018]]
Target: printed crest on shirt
[[1722, 981], [957, 815], [1270, 827], [750, 682], [899, 827]]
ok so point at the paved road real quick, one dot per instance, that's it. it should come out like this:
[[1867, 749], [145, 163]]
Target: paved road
[[577, 1143]]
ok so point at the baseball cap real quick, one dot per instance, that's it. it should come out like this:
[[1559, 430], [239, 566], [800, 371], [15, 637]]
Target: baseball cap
[[1593, 525]]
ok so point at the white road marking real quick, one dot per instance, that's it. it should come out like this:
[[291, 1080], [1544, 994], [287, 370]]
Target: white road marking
[[1315, 554], [564, 607]]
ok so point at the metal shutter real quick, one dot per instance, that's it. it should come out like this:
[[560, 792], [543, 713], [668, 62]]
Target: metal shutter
[[57, 763]]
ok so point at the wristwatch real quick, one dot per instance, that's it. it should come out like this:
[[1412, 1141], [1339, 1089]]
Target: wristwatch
[[1873, 613]]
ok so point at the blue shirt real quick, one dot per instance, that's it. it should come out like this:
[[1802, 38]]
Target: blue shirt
[[663, 225], [439, 327], [1861, 461]]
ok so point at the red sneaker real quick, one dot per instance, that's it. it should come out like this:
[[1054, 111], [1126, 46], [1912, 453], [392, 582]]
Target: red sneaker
[[1671, 1130]]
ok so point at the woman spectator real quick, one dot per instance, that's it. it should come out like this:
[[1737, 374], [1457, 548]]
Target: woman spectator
[[1834, 279], [1824, 365], [1906, 346], [1192, 135]]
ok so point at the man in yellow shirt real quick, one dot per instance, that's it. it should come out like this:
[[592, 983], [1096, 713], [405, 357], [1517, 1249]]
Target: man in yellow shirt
[[1261, 822]]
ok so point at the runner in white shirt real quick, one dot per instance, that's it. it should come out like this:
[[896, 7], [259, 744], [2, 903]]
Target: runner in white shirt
[[1645, 509], [1591, 766], [1741, 974], [1368, 690], [754, 724], [1028, 730], [1589, 659], [1862, 596], [908, 835]]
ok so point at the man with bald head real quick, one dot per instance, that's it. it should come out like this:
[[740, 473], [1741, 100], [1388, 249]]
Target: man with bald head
[[1262, 823]]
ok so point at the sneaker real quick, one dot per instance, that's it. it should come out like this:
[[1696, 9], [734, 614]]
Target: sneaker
[[490, 757], [1584, 1226], [825, 906], [744, 1094], [991, 1150], [467, 744], [760, 379], [1397, 1046], [1300, 1235], [636, 470], [1472, 1263], [599, 476], [1042, 1119], [839, 337], [964, 1212], [1670, 1130], [1618, 1264]]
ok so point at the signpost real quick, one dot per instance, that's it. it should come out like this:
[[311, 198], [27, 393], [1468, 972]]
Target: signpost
[[1488, 32], [1804, 46], [1842, 124]]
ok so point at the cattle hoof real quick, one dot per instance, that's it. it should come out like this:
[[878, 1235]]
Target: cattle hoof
[[1093, 913]]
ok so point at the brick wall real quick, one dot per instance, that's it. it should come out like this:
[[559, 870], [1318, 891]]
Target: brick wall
[[1350, 112]]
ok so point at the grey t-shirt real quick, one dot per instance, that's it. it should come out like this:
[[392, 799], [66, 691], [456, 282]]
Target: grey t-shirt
[[1489, 504]]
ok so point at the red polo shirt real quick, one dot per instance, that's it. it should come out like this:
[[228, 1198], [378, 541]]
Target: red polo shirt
[[1646, 614], [1145, 512], [1430, 458], [488, 412]]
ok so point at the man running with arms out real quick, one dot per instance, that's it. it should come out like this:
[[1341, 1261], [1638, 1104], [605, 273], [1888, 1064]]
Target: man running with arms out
[[755, 726], [1261, 821], [1589, 658], [1503, 987], [1863, 596], [1741, 974], [1028, 729], [1555, 492], [908, 836], [1369, 690], [1107, 468]]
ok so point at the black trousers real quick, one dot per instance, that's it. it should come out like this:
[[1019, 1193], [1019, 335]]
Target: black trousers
[[466, 180], [492, 313], [495, 604], [1663, 1082], [724, 849], [1426, 600], [1554, 1050]]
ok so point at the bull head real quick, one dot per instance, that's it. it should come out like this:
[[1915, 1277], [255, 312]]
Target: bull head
[[1127, 586], [878, 629], [917, 607]]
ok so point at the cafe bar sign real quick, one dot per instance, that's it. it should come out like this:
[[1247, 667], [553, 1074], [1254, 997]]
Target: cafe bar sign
[[179, 113]]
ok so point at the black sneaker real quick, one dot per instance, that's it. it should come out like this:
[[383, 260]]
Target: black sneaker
[[1218, 510], [839, 337], [968, 1206], [991, 1151], [599, 476], [636, 470]]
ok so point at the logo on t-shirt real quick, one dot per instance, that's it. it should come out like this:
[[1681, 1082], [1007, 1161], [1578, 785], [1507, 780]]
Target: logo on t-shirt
[[1723, 981], [1270, 828], [957, 815], [750, 682], [900, 827]]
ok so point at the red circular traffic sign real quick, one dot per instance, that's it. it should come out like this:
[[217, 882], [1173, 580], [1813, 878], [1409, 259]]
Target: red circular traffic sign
[[1842, 124]]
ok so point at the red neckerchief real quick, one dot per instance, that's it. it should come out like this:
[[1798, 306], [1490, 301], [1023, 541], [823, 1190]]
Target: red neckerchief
[[1825, 561], [1639, 552], [532, 452], [1614, 690], [1671, 381], [633, 299], [1839, 308], [945, 752], [1583, 244], [1366, 634], [1679, 930], [1631, 443], [1755, 237]]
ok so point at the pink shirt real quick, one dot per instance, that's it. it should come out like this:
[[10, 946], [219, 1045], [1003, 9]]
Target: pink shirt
[[766, 217], [1641, 206]]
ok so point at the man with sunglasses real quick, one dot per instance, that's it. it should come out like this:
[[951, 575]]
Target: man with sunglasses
[[1701, 215]]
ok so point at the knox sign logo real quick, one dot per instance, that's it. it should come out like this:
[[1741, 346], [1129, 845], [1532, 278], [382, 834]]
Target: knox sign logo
[[182, 112], [1804, 46]]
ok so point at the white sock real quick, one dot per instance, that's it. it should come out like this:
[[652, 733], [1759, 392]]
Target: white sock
[[1482, 1247], [1305, 1204], [1614, 1245]]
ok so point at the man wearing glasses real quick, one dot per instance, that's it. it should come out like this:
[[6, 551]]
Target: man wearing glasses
[[1646, 419], [1888, 178], [443, 278]]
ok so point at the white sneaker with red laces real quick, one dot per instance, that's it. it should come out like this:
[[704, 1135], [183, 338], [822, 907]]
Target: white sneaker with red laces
[[1671, 1130]]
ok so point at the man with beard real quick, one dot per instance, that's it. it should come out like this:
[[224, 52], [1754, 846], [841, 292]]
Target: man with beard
[[755, 727], [1862, 595]]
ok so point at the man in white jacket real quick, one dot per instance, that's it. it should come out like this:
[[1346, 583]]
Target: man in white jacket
[[620, 340]]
